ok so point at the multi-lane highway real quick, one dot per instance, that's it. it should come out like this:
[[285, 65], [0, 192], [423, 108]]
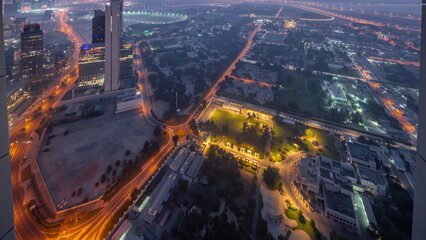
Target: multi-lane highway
[[22, 129]]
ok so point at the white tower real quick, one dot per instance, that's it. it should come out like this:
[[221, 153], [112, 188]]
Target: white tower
[[113, 29]]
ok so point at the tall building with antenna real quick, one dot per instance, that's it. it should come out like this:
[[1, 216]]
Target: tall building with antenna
[[113, 30]]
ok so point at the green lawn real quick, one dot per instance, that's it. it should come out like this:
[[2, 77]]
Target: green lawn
[[307, 227], [327, 143], [235, 123], [285, 132]]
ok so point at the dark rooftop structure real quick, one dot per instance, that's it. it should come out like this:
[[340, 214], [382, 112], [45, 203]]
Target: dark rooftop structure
[[372, 175], [362, 152], [338, 201]]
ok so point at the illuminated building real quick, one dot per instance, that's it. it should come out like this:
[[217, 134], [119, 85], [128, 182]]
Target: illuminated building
[[290, 24], [98, 27], [6, 217], [32, 54], [91, 65], [113, 29], [126, 65]]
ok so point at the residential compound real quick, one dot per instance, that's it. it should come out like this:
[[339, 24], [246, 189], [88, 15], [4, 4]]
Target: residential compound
[[329, 185]]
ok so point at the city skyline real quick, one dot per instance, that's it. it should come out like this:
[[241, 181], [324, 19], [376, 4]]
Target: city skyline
[[210, 120]]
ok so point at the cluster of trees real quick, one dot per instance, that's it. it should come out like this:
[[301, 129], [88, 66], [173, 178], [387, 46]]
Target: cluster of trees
[[395, 211], [337, 115], [400, 75], [272, 178], [379, 112], [221, 170]]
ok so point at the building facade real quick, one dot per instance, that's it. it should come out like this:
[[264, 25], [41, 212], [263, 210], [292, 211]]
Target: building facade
[[98, 26], [113, 29], [91, 65], [32, 54]]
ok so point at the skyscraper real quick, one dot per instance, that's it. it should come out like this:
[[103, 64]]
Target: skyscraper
[[6, 216], [32, 54], [419, 213], [113, 29], [98, 26]]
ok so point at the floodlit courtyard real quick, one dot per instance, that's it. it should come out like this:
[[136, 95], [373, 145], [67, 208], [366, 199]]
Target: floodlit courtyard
[[289, 139]]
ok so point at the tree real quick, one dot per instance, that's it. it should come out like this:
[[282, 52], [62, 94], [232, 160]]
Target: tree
[[271, 178], [302, 218], [157, 131], [175, 139], [194, 127], [292, 106]]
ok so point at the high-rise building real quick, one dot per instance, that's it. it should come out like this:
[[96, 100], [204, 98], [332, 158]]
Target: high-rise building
[[6, 216], [113, 29], [32, 54], [419, 213], [91, 65], [98, 26]]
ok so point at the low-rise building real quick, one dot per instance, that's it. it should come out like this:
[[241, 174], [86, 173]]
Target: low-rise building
[[372, 180], [179, 159], [339, 207], [361, 154], [162, 196], [128, 100]]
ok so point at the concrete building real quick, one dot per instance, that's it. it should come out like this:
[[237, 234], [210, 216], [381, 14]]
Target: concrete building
[[195, 167], [362, 155], [113, 29], [128, 100], [372, 180], [98, 26], [179, 159], [162, 196], [7, 230], [339, 207], [32, 54], [419, 230], [322, 180], [126, 77]]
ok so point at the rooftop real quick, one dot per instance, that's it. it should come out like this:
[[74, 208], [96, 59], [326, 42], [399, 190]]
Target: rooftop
[[308, 170], [372, 175], [361, 152], [338, 201]]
